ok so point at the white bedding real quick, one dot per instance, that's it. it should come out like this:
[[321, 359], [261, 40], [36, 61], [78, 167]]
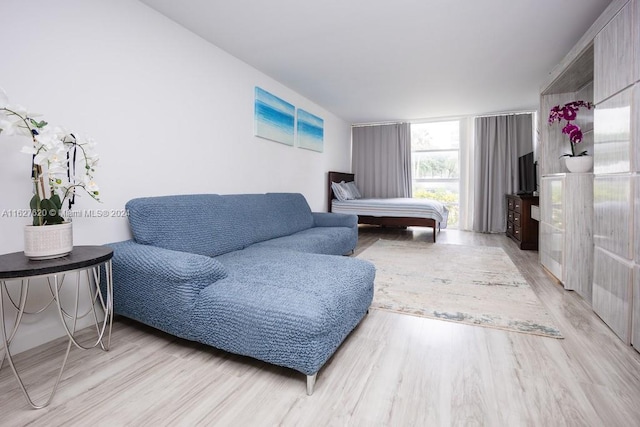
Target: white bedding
[[399, 207]]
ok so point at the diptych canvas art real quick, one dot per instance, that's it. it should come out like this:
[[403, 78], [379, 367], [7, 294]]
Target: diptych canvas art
[[275, 119]]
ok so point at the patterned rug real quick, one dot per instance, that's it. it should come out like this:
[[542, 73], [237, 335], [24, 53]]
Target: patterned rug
[[468, 284]]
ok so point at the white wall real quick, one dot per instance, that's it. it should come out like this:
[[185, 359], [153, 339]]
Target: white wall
[[171, 114]]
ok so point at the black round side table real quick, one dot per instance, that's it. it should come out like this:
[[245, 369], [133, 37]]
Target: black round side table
[[94, 262]]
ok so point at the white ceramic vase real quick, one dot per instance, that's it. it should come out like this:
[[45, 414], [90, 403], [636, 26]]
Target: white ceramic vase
[[48, 241], [579, 164]]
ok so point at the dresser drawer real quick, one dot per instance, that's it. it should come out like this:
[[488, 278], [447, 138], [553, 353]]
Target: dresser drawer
[[517, 205], [510, 204], [516, 219], [517, 233], [509, 216]]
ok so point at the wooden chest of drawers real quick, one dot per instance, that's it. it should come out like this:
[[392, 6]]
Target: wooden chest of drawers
[[520, 226]]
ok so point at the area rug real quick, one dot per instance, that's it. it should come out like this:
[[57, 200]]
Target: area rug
[[458, 283]]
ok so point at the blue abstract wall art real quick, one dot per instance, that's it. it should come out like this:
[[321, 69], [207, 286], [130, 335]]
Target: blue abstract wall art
[[310, 131], [274, 118]]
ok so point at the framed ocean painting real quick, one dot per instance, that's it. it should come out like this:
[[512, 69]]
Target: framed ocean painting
[[310, 131], [274, 118]]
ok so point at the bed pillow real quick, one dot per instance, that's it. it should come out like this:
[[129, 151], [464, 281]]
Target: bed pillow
[[339, 191], [353, 190]]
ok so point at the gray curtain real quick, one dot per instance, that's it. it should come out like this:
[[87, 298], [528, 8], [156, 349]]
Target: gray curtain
[[499, 141], [381, 160]]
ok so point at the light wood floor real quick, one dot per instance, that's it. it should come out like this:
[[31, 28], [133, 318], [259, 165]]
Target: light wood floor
[[393, 370]]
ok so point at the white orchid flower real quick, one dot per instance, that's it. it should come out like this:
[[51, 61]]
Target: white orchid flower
[[90, 185], [88, 145], [92, 161], [12, 124], [47, 138], [15, 114], [56, 154], [5, 123], [57, 169]]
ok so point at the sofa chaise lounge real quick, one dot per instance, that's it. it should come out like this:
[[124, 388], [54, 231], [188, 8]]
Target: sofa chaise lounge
[[253, 274]]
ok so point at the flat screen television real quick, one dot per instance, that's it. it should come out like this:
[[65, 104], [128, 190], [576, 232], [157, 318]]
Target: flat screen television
[[527, 183]]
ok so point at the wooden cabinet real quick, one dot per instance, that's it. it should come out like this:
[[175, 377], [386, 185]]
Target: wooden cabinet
[[520, 226]]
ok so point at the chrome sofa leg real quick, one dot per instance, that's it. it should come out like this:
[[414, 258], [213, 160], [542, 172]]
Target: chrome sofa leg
[[311, 382]]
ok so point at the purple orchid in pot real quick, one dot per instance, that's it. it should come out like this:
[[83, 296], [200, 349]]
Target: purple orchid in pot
[[576, 161]]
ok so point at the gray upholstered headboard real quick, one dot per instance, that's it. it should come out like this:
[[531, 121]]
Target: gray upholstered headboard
[[337, 177]]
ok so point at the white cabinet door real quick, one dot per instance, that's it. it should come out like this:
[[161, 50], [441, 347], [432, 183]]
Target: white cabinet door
[[613, 55], [578, 232], [551, 248]]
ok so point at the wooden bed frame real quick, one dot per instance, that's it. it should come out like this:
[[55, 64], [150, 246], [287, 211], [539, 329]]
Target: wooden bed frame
[[384, 221]]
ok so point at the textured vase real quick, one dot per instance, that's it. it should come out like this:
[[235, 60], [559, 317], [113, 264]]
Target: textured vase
[[579, 164], [48, 241]]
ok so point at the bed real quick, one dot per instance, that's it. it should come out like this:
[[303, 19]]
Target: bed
[[398, 212]]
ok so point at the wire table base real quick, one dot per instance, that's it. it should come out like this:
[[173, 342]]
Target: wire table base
[[95, 263]]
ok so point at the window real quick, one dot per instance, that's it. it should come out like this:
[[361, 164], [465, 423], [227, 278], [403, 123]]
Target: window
[[435, 159]]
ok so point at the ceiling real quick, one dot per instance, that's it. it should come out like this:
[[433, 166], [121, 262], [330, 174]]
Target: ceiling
[[375, 60]]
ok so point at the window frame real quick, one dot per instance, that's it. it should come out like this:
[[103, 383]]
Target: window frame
[[451, 205]]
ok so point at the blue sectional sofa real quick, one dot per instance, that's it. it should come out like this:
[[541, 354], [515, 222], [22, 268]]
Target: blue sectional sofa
[[254, 274]]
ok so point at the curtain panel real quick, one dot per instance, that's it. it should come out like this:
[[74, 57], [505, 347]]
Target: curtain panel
[[467, 173], [499, 141], [381, 160]]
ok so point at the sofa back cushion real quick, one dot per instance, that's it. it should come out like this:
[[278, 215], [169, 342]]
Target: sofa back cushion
[[213, 224]]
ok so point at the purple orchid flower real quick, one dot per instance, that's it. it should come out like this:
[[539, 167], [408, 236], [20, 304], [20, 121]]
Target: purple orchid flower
[[569, 112]]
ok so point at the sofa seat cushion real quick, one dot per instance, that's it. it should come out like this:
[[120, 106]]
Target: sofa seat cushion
[[284, 307], [320, 240]]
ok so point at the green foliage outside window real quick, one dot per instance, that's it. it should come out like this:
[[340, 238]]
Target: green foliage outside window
[[450, 199], [436, 165]]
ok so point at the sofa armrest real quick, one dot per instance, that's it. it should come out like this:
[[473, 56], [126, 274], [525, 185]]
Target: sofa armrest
[[328, 219], [159, 286]]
